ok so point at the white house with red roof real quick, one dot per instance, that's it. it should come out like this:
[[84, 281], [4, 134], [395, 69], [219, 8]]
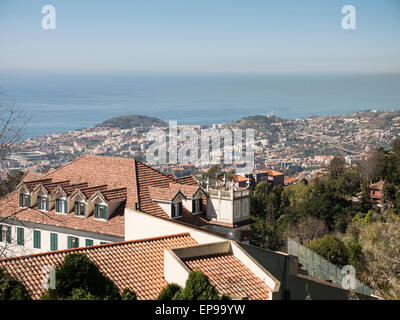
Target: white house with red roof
[[96, 200]]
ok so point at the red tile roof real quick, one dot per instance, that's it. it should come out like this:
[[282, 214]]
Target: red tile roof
[[30, 175], [114, 226], [169, 192], [229, 275], [187, 180], [273, 172], [238, 178], [119, 179], [378, 185], [137, 265]]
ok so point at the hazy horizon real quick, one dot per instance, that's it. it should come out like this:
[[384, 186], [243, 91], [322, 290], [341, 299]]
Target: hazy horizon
[[179, 36]]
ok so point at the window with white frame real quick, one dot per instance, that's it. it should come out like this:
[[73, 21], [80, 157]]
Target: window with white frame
[[176, 210], [5, 234], [80, 208], [197, 205], [24, 200], [61, 205], [100, 211], [42, 203]]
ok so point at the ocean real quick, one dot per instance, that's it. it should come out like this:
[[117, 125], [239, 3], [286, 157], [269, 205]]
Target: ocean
[[59, 103]]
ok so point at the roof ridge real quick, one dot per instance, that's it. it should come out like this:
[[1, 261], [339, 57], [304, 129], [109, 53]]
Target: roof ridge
[[38, 180], [162, 173], [177, 235]]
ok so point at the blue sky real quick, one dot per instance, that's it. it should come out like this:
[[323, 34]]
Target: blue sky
[[200, 36]]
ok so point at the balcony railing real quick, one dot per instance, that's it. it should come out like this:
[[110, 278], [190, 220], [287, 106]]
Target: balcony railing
[[228, 194]]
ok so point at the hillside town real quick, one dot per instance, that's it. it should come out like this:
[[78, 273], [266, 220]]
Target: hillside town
[[299, 148]]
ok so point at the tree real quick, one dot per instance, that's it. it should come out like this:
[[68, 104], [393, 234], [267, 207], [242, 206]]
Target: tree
[[10, 288], [10, 183], [170, 291], [336, 167], [389, 193], [197, 287], [380, 243], [265, 234], [308, 229], [331, 248], [80, 278], [128, 294], [12, 127]]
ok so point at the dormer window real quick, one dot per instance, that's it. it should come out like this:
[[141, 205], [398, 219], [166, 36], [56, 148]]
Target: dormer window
[[176, 210], [80, 208], [43, 203], [197, 205], [61, 205], [24, 200], [100, 211]]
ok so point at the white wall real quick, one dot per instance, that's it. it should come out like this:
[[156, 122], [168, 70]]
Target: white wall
[[140, 225], [13, 249], [175, 271], [229, 211]]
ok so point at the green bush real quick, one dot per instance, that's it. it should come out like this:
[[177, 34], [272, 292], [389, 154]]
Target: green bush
[[171, 290], [10, 288], [197, 287], [331, 248], [80, 278], [128, 294]]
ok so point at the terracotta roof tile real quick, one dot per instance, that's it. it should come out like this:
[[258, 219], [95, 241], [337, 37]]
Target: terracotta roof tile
[[137, 265], [119, 179], [229, 275]]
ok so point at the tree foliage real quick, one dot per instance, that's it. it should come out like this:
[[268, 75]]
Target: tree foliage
[[169, 291], [10, 288], [10, 182], [80, 278], [197, 287], [331, 248]]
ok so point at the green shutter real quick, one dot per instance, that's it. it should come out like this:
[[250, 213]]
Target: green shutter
[[53, 241], [36, 239], [29, 201], [8, 234], [21, 200], [65, 206], [47, 204], [96, 210], [57, 205], [69, 242], [76, 208], [172, 210], [76, 243], [89, 242], [105, 212], [193, 205], [20, 236], [39, 204], [179, 209]]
